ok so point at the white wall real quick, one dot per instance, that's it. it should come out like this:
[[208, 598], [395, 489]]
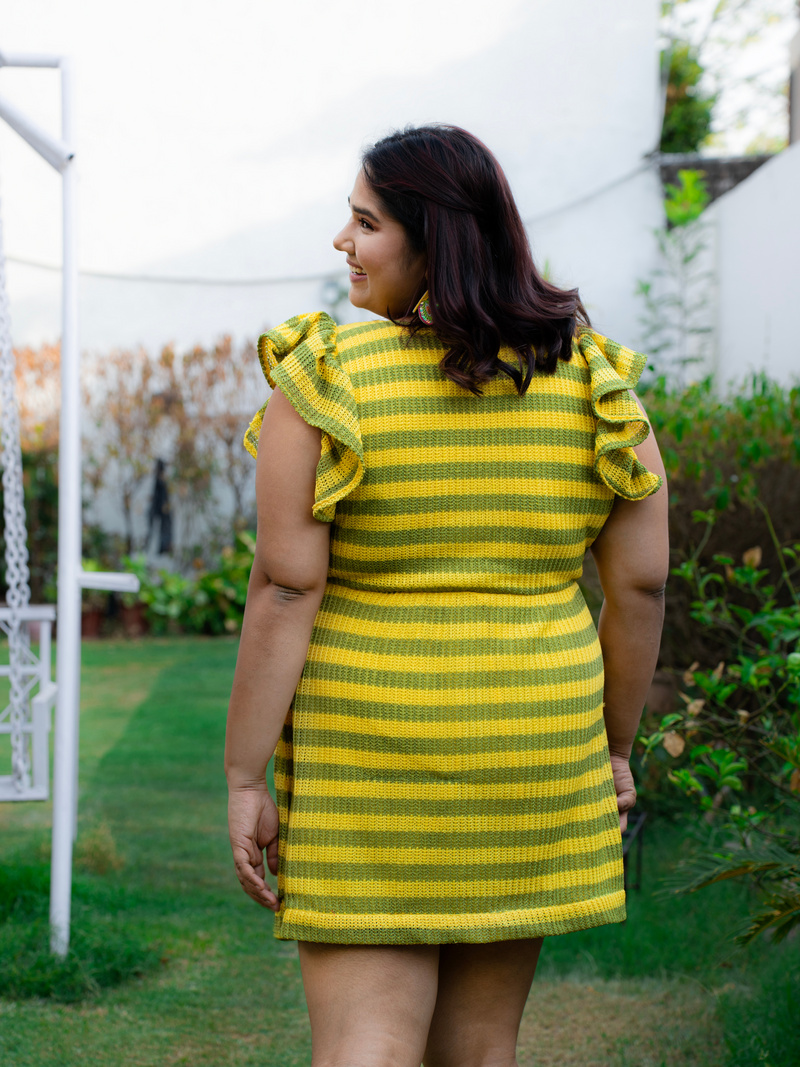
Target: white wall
[[758, 272], [568, 100]]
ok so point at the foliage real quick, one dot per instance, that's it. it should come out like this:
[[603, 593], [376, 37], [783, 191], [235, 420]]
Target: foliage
[[728, 38], [211, 603], [676, 320], [38, 382], [687, 112], [126, 397], [734, 745], [189, 409], [723, 451], [724, 441], [212, 415]]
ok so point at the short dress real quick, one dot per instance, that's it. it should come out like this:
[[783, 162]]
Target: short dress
[[443, 774]]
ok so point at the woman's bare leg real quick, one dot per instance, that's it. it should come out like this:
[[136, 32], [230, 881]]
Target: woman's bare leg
[[369, 1005], [481, 996]]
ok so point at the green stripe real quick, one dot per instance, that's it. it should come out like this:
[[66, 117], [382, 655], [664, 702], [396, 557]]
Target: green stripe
[[423, 504], [434, 406], [383, 641], [472, 870], [400, 606], [404, 839], [463, 471], [471, 712], [459, 535], [526, 680], [446, 747], [483, 776]]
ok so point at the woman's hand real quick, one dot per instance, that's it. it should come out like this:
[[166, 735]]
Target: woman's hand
[[626, 790], [253, 826]]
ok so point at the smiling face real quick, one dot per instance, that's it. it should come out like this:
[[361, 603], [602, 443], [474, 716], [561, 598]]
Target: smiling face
[[386, 275]]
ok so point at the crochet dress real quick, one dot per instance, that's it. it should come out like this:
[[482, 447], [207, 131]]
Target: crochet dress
[[443, 775]]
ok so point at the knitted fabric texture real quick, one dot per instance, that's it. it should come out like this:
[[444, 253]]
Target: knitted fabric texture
[[443, 775]]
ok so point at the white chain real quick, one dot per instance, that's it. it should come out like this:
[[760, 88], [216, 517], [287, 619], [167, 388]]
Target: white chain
[[17, 573]]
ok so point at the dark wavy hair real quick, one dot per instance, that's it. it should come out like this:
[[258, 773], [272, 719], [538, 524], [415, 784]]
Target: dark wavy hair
[[451, 196]]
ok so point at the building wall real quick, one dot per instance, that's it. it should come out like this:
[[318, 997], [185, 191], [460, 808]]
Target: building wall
[[568, 101], [757, 228]]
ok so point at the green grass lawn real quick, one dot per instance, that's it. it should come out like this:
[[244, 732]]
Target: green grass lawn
[[153, 867]]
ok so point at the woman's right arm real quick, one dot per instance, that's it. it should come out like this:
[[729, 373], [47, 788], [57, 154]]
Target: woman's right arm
[[632, 557], [287, 583]]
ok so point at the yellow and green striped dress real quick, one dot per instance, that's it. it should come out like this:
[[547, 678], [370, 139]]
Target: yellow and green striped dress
[[443, 775]]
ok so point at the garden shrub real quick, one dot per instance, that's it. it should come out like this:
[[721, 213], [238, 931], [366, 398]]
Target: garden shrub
[[727, 753], [724, 455], [210, 603]]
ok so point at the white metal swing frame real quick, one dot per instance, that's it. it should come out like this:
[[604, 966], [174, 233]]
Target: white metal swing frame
[[31, 783]]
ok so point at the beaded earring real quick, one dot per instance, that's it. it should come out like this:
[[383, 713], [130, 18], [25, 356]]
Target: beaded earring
[[423, 309]]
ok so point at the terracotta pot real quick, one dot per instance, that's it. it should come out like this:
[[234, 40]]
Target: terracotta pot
[[133, 620], [91, 621]]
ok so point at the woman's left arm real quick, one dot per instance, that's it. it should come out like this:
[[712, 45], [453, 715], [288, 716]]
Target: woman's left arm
[[632, 557], [286, 587]]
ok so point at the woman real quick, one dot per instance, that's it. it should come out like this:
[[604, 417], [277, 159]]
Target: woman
[[453, 773]]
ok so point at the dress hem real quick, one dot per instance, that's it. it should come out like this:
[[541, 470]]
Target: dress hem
[[294, 924]]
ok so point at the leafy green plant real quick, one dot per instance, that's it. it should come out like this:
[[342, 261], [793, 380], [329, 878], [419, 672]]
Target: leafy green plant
[[166, 595], [218, 598], [93, 599], [734, 748], [212, 602], [727, 453], [687, 111], [724, 440], [676, 321]]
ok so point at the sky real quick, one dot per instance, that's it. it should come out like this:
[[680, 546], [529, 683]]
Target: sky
[[181, 109], [202, 123]]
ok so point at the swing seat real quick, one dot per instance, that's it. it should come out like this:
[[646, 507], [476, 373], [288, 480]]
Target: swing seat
[[36, 728]]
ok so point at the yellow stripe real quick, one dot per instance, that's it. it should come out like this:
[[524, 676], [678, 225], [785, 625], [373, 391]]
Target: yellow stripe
[[489, 516], [429, 665], [540, 725], [460, 598], [491, 487], [457, 887], [485, 420], [333, 854], [490, 920], [472, 549], [457, 455], [446, 698], [581, 621], [409, 583]]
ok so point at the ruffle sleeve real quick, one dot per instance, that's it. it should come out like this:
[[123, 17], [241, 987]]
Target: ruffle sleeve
[[614, 370], [300, 359]]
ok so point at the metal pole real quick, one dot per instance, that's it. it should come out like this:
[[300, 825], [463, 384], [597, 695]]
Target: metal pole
[[68, 646]]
